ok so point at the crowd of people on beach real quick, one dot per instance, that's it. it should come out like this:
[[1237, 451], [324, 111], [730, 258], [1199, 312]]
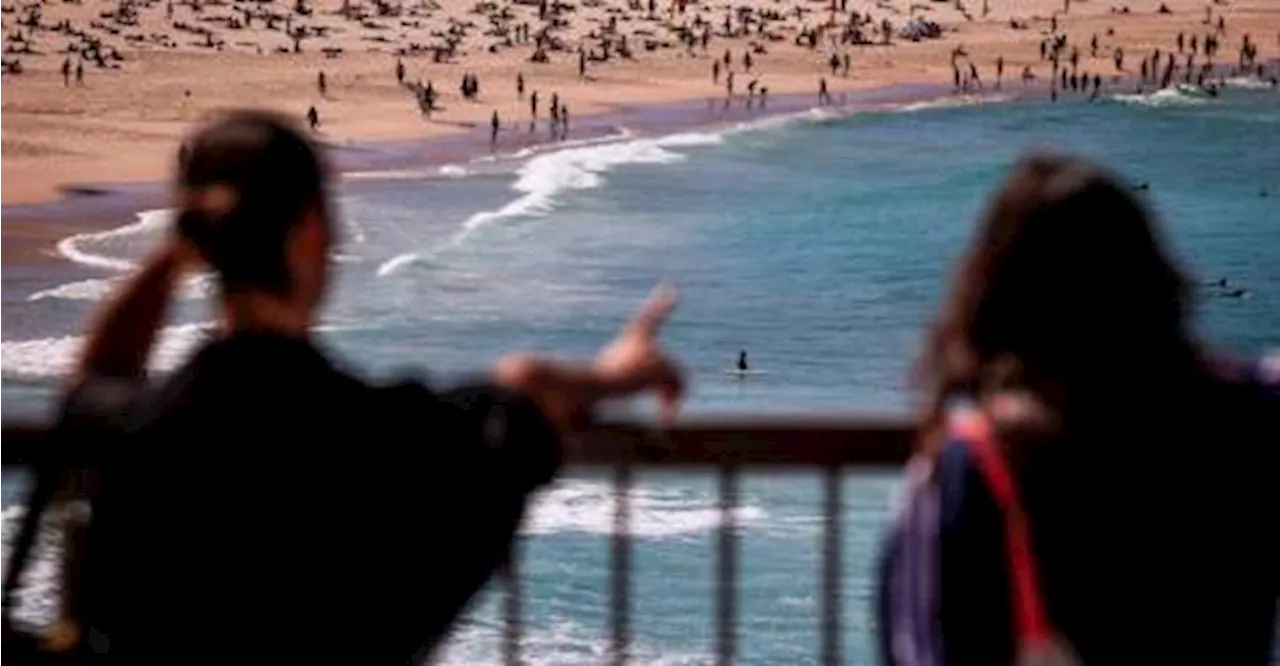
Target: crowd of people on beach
[[1058, 50], [749, 34]]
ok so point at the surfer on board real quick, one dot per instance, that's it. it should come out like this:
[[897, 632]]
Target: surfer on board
[[742, 361]]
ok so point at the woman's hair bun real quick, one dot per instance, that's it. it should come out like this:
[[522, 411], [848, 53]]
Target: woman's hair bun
[[206, 214]]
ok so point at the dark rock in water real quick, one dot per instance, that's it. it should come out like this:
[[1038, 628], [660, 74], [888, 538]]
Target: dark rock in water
[[84, 191]]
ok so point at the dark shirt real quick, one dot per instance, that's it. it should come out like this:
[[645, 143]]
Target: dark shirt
[[264, 506], [1156, 542]]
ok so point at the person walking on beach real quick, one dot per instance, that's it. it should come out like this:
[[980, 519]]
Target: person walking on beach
[[66, 72], [321, 84], [262, 437], [824, 98], [533, 109], [399, 71], [80, 72], [494, 125], [554, 124], [999, 70], [313, 118], [519, 86]]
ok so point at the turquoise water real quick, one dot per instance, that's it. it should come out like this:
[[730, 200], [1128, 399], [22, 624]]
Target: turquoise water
[[819, 242]]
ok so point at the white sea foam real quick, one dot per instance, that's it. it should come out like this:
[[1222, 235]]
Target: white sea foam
[[389, 174], [951, 102], [38, 595], [1164, 98], [97, 289], [587, 507], [564, 643], [87, 250], [543, 178], [51, 358], [79, 247], [1249, 83]]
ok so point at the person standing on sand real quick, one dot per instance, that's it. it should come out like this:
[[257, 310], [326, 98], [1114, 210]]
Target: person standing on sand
[[321, 84], [399, 71], [80, 73], [533, 109], [715, 73], [564, 122], [519, 85], [66, 72], [313, 118], [999, 70], [494, 125]]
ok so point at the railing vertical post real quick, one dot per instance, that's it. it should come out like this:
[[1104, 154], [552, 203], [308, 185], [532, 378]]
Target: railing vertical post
[[512, 611], [831, 598], [727, 571], [621, 564]]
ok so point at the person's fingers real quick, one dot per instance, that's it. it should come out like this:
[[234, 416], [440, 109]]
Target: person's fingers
[[655, 311]]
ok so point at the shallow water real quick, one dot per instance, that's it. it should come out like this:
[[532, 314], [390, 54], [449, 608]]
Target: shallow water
[[819, 242]]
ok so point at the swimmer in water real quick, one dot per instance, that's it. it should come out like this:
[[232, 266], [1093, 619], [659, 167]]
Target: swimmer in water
[[742, 361]]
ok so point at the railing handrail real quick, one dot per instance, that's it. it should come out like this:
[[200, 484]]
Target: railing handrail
[[729, 443], [792, 440]]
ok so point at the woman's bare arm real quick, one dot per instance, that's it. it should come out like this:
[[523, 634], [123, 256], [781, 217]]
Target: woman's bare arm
[[123, 332]]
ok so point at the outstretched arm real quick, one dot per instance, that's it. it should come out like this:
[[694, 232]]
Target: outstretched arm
[[632, 363], [122, 335]]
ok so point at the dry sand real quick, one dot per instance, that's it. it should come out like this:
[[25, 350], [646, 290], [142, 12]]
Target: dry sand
[[123, 122]]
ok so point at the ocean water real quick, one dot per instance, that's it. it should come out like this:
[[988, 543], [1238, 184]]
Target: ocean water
[[820, 242]]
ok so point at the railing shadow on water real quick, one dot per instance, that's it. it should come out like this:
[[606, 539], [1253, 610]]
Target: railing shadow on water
[[726, 445]]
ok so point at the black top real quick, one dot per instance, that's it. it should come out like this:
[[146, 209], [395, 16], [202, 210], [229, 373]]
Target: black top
[[264, 506], [1156, 540]]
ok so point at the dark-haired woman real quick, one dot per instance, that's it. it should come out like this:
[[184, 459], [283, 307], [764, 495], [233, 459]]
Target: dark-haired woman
[[263, 505], [1091, 485]]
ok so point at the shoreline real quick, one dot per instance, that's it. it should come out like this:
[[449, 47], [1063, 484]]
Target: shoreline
[[33, 230]]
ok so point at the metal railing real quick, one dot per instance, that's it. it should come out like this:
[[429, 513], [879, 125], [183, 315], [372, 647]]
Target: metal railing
[[727, 445]]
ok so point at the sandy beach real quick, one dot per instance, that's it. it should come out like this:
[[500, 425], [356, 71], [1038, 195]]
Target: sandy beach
[[152, 68]]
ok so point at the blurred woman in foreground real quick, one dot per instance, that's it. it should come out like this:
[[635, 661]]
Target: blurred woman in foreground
[[1090, 485], [264, 503]]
